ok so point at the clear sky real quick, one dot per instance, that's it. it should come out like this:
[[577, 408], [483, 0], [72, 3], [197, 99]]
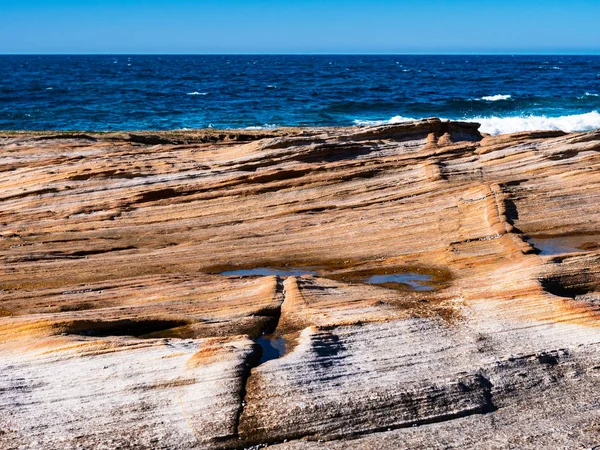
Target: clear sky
[[310, 26]]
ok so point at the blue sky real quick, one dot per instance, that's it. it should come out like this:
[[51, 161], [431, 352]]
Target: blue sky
[[311, 26]]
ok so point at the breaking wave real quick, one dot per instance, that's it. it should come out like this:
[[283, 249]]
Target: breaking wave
[[505, 125], [395, 119], [267, 126], [496, 98], [502, 125]]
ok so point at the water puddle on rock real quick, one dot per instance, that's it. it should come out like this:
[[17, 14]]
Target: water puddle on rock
[[268, 271], [557, 245], [273, 347], [403, 278], [410, 279]]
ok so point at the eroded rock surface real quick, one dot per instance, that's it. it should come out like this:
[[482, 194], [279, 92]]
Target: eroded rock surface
[[406, 286]]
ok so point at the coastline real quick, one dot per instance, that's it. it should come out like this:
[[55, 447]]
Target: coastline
[[210, 134]]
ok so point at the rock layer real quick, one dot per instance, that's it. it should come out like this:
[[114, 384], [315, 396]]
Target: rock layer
[[432, 288]]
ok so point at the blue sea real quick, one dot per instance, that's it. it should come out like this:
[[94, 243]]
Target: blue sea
[[503, 93]]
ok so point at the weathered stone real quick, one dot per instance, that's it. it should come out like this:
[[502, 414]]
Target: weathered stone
[[432, 288]]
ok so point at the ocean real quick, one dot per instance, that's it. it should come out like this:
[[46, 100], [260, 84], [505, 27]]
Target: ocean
[[103, 93]]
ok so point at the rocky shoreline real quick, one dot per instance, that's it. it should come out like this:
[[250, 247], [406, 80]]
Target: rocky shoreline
[[417, 285]]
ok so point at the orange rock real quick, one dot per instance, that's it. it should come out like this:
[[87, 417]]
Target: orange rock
[[401, 267]]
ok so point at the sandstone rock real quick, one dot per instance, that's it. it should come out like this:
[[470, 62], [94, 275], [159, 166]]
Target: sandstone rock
[[412, 286]]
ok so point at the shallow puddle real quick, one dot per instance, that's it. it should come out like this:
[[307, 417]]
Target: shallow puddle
[[404, 278], [557, 245], [413, 280], [400, 278], [273, 347], [268, 271]]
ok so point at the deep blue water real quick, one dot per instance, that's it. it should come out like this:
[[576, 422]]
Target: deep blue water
[[505, 93]]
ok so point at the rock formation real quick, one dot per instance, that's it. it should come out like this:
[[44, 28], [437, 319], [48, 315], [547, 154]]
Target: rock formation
[[406, 286]]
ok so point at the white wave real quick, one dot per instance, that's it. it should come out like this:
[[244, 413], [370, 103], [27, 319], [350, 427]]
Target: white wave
[[506, 125], [503, 125], [495, 98], [589, 94], [267, 126], [395, 119], [197, 93]]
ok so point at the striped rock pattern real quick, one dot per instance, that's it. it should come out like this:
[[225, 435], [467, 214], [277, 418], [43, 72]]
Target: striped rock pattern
[[406, 286]]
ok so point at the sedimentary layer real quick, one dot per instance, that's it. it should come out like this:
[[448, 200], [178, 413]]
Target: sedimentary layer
[[416, 285]]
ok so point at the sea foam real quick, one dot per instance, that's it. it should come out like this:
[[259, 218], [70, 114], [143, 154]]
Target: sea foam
[[504, 125], [197, 93], [267, 126], [395, 119], [496, 98]]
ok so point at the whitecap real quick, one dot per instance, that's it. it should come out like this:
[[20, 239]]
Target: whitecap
[[393, 120], [51, 88], [267, 126], [589, 94], [271, 86], [496, 98], [197, 93], [503, 125]]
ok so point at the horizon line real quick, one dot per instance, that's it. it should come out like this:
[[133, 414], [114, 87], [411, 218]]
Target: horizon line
[[593, 53]]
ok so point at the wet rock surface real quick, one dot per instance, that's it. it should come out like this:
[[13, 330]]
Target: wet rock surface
[[406, 286]]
